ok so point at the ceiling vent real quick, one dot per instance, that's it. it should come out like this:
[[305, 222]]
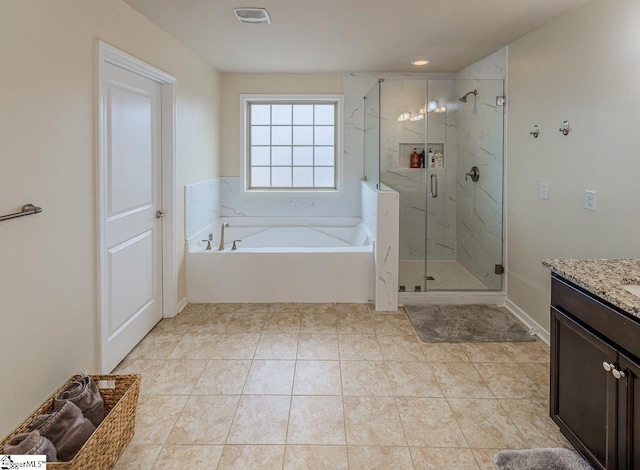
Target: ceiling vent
[[252, 15]]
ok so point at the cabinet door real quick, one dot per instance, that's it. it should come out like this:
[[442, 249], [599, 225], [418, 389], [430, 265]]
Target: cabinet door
[[583, 394], [629, 414]]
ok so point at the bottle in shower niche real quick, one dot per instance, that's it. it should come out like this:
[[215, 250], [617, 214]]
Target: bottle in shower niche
[[431, 159], [415, 159], [439, 158], [422, 158]]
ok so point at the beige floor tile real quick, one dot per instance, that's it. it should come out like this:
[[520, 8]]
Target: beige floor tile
[[484, 458], [270, 377], [348, 309], [359, 348], [428, 422], [284, 322], [290, 307], [155, 417], [204, 420], [373, 421], [155, 346], [277, 346], [176, 377], [535, 351], [316, 421], [148, 368], [393, 325], [412, 379], [443, 459], [516, 380], [319, 323], [485, 424], [356, 322], [260, 420], [443, 352], [195, 346], [460, 380], [364, 378], [138, 457], [532, 419], [236, 346], [316, 458], [317, 378], [252, 307], [219, 321], [400, 348], [487, 352], [246, 322], [220, 308], [251, 457], [379, 458], [315, 309], [318, 347], [188, 457], [223, 377]]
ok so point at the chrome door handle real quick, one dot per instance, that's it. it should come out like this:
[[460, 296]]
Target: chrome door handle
[[474, 173], [159, 214], [434, 185]]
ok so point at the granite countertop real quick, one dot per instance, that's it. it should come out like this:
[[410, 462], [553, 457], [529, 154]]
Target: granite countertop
[[603, 278]]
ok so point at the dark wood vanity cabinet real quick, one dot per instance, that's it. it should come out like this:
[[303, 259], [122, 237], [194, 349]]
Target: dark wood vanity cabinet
[[595, 393]]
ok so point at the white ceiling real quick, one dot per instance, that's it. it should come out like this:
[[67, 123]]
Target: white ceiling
[[350, 35]]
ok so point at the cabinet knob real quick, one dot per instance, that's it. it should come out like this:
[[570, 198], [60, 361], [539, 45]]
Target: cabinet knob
[[618, 374], [608, 366]]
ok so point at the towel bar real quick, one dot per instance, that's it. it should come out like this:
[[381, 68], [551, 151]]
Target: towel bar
[[27, 209]]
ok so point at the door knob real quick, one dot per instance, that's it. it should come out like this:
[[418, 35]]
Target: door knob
[[159, 214], [608, 366], [618, 374]]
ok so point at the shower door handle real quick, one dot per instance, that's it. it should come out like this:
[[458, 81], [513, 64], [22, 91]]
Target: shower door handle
[[434, 185]]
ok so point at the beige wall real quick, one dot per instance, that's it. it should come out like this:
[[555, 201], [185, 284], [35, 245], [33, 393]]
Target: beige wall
[[234, 84], [583, 67], [48, 276]]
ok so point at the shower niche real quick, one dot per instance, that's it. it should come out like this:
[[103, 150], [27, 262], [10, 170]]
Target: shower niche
[[450, 227]]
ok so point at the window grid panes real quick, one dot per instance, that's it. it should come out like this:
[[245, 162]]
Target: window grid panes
[[292, 144]]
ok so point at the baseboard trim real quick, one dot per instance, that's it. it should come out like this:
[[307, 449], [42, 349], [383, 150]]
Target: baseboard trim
[[182, 304], [527, 320], [451, 298]]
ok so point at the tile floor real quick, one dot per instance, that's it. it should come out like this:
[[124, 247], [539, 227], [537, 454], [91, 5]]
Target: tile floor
[[329, 386], [448, 275]]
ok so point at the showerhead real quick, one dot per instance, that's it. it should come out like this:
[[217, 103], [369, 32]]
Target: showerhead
[[464, 98]]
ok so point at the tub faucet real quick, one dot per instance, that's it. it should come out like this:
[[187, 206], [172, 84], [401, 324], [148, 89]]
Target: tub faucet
[[208, 241], [224, 225]]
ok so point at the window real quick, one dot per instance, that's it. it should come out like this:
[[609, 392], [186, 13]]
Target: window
[[291, 143]]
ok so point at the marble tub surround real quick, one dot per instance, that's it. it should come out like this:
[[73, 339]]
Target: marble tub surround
[[338, 386], [202, 205], [603, 278]]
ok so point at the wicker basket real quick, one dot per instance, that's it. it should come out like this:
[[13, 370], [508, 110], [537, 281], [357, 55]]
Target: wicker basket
[[103, 449]]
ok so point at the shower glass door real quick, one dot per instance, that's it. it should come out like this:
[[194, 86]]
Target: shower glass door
[[464, 200]]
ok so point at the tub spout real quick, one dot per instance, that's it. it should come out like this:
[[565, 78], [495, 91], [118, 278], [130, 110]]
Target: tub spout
[[224, 225]]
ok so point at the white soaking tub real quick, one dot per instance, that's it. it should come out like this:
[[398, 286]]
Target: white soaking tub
[[282, 259]]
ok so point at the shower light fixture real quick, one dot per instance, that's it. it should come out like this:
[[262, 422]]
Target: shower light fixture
[[404, 116], [420, 62], [432, 105]]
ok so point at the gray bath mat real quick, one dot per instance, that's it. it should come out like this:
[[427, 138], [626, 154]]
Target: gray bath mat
[[540, 459], [466, 323]]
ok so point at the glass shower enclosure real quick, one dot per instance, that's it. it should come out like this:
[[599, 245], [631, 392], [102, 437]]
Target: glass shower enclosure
[[451, 201]]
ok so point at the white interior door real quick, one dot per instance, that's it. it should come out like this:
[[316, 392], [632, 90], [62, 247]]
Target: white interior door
[[132, 197]]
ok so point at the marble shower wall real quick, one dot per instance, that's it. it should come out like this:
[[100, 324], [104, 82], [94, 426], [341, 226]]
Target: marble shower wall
[[480, 204]]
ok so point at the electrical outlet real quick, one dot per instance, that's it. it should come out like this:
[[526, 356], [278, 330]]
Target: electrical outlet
[[544, 191], [590, 200]]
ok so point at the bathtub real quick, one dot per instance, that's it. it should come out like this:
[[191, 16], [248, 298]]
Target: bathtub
[[282, 259]]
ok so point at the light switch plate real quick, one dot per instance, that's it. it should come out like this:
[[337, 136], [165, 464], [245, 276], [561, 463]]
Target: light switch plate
[[589, 200], [544, 191]]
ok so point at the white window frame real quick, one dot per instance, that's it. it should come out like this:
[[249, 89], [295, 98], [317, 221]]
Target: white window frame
[[245, 169]]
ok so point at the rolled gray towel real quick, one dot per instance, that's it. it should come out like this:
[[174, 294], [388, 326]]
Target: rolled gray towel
[[84, 393], [30, 443], [66, 428]]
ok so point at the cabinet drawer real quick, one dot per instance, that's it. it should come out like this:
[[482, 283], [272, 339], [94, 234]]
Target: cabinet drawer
[[601, 318]]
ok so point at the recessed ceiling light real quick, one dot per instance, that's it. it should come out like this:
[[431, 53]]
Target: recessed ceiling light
[[420, 62], [252, 15]]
